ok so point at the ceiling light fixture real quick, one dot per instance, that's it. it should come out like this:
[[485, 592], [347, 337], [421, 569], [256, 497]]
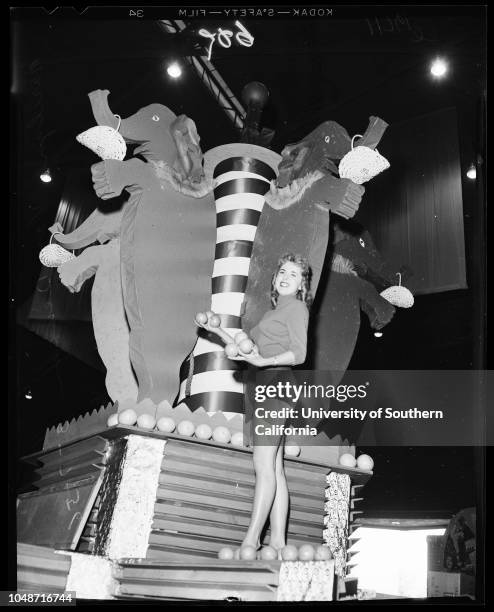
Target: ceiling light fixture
[[174, 70], [378, 334], [439, 68], [45, 176]]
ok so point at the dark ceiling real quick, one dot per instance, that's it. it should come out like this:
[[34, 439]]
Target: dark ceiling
[[372, 61], [341, 69]]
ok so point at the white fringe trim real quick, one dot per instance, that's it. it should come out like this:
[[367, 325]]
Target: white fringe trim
[[172, 178], [306, 581], [283, 197], [134, 510], [342, 265], [91, 576]]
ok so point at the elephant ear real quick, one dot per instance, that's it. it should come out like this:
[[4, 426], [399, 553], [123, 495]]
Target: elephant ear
[[190, 157]]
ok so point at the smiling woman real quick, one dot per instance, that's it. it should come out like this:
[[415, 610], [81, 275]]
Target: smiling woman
[[281, 342], [283, 330]]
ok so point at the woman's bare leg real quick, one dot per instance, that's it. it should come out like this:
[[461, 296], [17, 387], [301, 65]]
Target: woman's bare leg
[[264, 492], [279, 510]]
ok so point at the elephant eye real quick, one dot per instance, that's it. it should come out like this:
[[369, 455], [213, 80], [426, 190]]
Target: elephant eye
[[362, 243], [156, 118]]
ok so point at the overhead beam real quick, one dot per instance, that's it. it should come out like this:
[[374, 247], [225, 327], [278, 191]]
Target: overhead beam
[[211, 78]]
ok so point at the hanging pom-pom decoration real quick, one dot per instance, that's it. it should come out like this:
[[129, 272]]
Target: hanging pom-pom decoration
[[361, 164], [398, 295], [105, 141], [54, 255]]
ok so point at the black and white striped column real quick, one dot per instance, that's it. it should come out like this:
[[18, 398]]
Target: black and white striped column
[[242, 183]]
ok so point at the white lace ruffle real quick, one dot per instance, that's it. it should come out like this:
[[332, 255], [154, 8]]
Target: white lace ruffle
[[283, 197], [398, 296], [168, 175], [361, 164], [336, 518], [306, 581], [105, 141], [53, 255]]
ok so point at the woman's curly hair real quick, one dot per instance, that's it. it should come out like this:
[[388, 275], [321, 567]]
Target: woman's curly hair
[[303, 294]]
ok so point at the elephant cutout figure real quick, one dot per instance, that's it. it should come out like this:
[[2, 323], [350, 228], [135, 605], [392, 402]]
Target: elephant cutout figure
[[110, 326], [356, 274], [111, 330], [166, 232], [296, 219]]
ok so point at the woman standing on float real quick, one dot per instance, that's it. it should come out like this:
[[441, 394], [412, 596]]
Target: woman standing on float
[[280, 342]]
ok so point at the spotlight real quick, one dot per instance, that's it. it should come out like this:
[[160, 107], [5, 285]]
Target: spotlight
[[174, 70], [472, 172], [439, 68], [45, 176], [378, 334], [28, 395]]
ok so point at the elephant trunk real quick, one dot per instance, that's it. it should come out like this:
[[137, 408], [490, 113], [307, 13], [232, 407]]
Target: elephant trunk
[[373, 133], [381, 277], [101, 110], [98, 226]]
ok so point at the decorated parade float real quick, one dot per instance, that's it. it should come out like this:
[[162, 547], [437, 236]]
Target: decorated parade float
[[149, 496]]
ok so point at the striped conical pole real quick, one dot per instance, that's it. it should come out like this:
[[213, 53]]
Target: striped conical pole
[[242, 173]]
